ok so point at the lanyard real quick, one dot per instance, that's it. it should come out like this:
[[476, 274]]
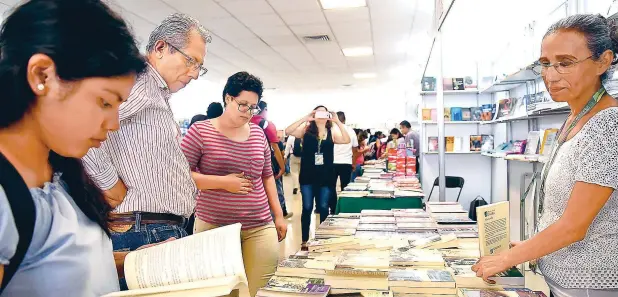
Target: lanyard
[[319, 143], [562, 139]]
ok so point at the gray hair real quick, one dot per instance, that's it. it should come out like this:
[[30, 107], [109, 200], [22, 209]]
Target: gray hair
[[601, 34], [175, 29]]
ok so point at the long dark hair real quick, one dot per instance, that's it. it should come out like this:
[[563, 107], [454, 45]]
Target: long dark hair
[[312, 129], [84, 39], [396, 132]]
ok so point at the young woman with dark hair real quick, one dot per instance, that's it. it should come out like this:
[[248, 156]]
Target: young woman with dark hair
[[63, 76], [236, 180], [316, 166]]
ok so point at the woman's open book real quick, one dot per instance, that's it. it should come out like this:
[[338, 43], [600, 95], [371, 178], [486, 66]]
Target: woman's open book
[[206, 264]]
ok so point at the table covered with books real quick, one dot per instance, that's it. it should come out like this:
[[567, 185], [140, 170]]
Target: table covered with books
[[380, 190], [393, 253]]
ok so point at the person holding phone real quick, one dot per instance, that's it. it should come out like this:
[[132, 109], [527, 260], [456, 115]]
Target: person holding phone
[[316, 166], [236, 178]]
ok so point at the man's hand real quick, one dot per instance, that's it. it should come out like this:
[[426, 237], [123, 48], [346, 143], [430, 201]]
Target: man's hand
[[280, 174], [282, 228], [237, 183]]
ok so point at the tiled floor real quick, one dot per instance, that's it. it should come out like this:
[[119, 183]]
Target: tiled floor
[[292, 242]]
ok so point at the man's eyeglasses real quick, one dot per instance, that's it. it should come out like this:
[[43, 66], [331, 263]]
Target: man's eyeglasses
[[563, 67], [254, 110], [190, 62]]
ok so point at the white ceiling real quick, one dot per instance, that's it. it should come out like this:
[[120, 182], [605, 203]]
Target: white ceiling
[[264, 37]]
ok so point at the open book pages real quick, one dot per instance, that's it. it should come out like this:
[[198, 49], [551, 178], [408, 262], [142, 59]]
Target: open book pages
[[205, 264]]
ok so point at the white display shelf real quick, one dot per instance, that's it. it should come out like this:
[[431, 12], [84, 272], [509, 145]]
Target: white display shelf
[[512, 81], [452, 122], [454, 153], [451, 92], [518, 158]]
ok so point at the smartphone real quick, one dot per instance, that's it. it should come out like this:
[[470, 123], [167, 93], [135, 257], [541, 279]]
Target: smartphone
[[320, 114]]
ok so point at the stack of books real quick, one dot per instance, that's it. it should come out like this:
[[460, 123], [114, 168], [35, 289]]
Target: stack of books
[[393, 253]]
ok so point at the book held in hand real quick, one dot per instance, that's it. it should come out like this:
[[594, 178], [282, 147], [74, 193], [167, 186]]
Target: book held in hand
[[204, 264]]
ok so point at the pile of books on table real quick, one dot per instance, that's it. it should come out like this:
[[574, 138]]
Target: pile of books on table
[[385, 186], [392, 253]]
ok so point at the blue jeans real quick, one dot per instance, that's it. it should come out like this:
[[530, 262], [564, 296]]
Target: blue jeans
[[356, 173], [143, 235], [287, 165], [321, 195]]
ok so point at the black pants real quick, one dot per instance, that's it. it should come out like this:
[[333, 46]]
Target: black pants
[[343, 172]]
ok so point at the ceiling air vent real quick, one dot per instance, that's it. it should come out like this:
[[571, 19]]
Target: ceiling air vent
[[316, 38]]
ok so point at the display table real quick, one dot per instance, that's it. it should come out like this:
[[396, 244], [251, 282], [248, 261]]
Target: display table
[[356, 205]]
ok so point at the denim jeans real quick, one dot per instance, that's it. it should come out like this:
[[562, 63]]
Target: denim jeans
[[143, 235], [287, 165], [356, 173], [321, 195]]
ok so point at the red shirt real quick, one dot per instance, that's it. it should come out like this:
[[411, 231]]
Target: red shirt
[[270, 131], [214, 154]]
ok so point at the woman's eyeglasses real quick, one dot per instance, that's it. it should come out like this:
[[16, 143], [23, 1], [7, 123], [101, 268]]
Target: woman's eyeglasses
[[254, 110], [562, 67], [190, 62]]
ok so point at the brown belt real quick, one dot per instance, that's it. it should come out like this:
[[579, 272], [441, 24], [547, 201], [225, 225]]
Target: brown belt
[[131, 218]]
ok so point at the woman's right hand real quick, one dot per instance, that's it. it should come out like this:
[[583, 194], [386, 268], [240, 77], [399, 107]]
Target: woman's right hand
[[237, 183], [310, 117]]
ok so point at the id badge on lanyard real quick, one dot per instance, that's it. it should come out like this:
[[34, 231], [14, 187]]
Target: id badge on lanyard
[[319, 157]]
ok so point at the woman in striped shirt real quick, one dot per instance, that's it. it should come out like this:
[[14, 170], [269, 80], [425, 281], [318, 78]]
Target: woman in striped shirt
[[236, 179]]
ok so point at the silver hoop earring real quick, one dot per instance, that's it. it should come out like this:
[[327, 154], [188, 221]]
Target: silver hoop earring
[[40, 87]]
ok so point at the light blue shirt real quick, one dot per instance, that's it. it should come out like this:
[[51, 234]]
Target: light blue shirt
[[70, 255]]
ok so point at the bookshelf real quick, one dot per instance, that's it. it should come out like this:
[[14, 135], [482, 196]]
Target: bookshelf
[[453, 122]]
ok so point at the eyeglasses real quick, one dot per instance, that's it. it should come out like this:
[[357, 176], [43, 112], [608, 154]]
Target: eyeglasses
[[563, 67], [190, 62], [254, 110]]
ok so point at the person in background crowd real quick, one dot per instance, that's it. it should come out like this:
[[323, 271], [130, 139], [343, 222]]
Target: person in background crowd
[[343, 156], [371, 138], [396, 138], [215, 109], [293, 153], [316, 167], [236, 179], [61, 90], [277, 155], [141, 167], [411, 139], [359, 160], [576, 242]]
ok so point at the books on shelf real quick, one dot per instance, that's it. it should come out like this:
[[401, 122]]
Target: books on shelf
[[408, 257], [177, 267]]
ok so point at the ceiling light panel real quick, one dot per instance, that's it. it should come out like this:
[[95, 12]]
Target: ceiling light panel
[[341, 4], [357, 51]]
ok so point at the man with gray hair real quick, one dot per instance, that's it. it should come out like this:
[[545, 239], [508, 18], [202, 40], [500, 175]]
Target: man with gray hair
[[141, 168]]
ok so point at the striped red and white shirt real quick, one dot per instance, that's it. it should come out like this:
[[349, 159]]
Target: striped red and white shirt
[[211, 153]]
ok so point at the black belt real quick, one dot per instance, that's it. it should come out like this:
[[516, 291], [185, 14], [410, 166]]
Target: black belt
[[145, 218]]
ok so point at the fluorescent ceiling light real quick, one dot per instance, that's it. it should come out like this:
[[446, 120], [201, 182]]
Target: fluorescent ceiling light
[[364, 75], [357, 51], [338, 4]]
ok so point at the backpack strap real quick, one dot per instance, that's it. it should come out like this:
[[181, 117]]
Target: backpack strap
[[24, 214], [263, 124]]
